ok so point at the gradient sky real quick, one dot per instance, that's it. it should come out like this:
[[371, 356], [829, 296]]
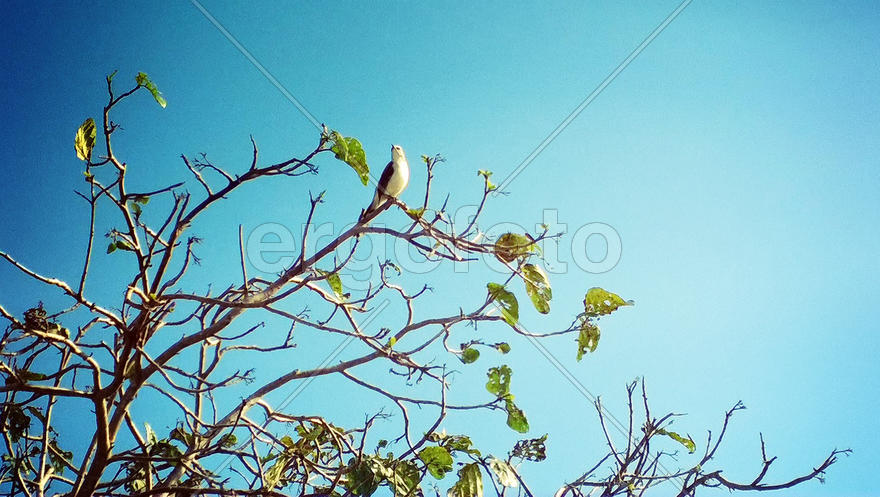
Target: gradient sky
[[736, 158]]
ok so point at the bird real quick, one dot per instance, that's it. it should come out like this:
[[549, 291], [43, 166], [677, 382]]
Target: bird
[[394, 180]]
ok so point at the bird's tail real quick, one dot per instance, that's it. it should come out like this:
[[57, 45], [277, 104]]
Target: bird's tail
[[369, 211], [377, 199]]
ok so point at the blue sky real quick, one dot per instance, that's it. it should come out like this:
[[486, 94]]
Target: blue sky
[[736, 158]]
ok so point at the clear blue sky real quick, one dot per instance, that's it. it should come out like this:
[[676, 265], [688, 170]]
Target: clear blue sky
[[738, 159]]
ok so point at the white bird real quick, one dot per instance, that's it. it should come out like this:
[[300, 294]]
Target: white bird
[[394, 179]]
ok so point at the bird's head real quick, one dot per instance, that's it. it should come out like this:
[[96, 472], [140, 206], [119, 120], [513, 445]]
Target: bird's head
[[397, 153]]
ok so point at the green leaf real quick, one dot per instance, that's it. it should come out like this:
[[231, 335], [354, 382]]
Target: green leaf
[[469, 484], [58, 458], [85, 140], [361, 478], [273, 475], [111, 247], [599, 302], [437, 460], [35, 411], [461, 443], [151, 435], [405, 478], [111, 76], [688, 442], [228, 441], [181, 435], [17, 422], [499, 385], [136, 208], [416, 214], [532, 449], [57, 329], [145, 81], [335, 283], [288, 442], [485, 174], [538, 287], [123, 245], [167, 450], [28, 376], [499, 381], [452, 443], [469, 355], [588, 338], [350, 151], [313, 434], [142, 199], [506, 301], [516, 418], [136, 485], [504, 472], [391, 342], [503, 347], [512, 246]]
